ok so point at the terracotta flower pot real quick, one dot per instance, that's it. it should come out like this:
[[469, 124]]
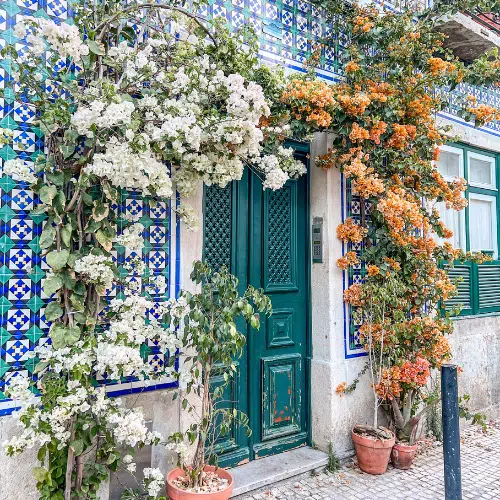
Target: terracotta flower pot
[[373, 454], [179, 494], [402, 455]]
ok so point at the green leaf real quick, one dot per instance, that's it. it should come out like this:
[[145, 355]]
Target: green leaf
[[77, 302], [105, 239], [100, 211], [59, 202], [48, 236], [47, 194], [77, 446], [40, 474], [95, 48], [40, 367], [66, 234], [57, 260], [111, 458], [56, 178], [53, 311], [42, 452], [62, 336]]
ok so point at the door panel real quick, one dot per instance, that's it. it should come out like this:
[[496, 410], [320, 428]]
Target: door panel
[[277, 353], [281, 396], [262, 236]]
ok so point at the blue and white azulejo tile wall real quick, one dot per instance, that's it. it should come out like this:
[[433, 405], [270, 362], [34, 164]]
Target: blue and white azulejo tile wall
[[22, 268]]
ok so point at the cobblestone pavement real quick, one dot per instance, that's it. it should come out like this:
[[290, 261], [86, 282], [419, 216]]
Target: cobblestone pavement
[[424, 481]]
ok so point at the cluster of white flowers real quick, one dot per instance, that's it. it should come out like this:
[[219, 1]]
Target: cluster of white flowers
[[96, 269], [6, 135], [19, 171], [132, 238], [126, 169], [67, 358], [119, 360], [177, 308], [129, 463], [129, 427], [279, 168], [100, 115], [153, 481], [118, 348], [65, 39], [188, 216], [180, 448]]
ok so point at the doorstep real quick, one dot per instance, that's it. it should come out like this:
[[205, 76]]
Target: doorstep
[[269, 470]]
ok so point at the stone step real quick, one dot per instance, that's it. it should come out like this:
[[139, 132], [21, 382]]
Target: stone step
[[269, 470]]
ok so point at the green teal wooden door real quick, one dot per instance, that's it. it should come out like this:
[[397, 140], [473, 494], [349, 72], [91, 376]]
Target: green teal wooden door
[[262, 236]]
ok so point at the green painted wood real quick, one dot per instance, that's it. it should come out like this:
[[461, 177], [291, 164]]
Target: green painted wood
[[479, 291], [464, 272], [264, 238]]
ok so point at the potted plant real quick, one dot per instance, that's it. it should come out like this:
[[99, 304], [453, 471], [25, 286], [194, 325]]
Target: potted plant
[[373, 443], [211, 338]]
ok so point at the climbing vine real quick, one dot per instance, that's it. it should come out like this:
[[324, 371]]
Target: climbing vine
[[386, 143]]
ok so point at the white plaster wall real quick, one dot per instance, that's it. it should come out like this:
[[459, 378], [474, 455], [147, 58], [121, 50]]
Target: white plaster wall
[[476, 349], [470, 135], [332, 416]]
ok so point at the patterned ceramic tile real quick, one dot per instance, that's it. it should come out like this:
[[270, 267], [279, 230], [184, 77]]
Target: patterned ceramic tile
[[22, 270]]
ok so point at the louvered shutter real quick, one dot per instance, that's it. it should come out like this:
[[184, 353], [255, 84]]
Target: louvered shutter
[[488, 279], [465, 288]]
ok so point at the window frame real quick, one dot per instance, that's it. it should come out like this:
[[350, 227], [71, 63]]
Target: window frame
[[490, 198], [477, 273], [461, 173], [485, 158]]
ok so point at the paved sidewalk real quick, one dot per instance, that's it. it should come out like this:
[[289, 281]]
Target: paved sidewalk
[[424, 481]]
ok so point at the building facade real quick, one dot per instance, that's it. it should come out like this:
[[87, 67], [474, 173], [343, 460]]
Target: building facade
[[283, 241]]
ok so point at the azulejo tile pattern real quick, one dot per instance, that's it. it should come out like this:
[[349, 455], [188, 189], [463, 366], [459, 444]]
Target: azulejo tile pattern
[[22, 268]]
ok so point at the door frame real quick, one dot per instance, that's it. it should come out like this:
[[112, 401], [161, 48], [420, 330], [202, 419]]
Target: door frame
[[303, 148]]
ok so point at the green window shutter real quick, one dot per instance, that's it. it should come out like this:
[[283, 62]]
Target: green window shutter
[[465, 287], [488, 279]]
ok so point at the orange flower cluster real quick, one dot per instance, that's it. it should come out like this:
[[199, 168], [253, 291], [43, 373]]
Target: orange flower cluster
[[401, 135], [391, 262], [485, 113], [362, 24], [372, 270], [353, 295], [400, 209], [380, 91], [341, 389], [350, 231], [421, 108], [310, 100], [349, 259], [354, 105], [365, 186], [438, 66], [452, 193], [358, 133], [377, 130], [413, 373], [440, 351], [352, 67], [444, 285], [366, 183]]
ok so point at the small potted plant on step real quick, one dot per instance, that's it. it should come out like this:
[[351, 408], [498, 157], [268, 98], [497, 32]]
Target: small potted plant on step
[[211, 340]]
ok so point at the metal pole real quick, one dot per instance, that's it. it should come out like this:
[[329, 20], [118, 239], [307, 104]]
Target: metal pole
[[451, 433]]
